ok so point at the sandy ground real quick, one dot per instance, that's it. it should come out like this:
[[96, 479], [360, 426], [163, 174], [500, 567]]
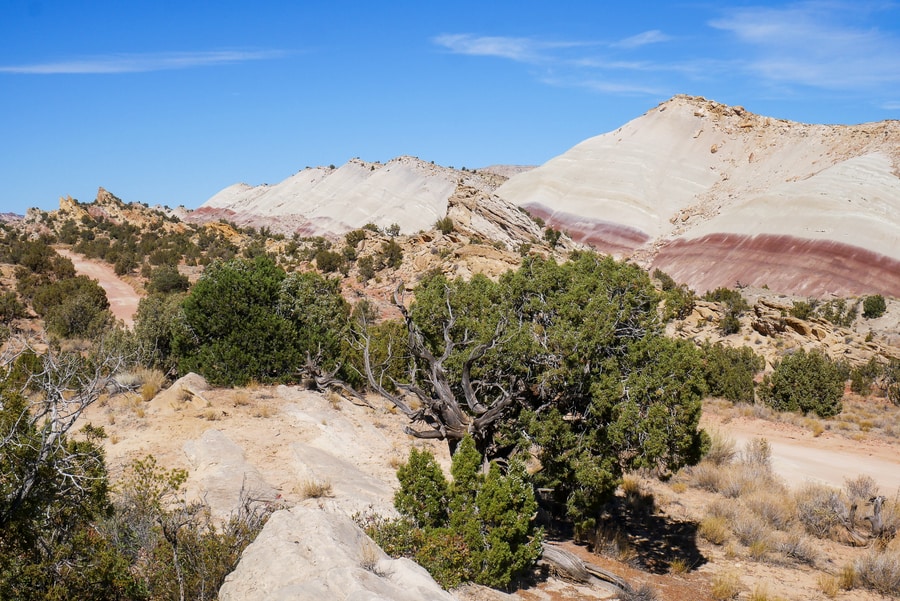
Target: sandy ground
[[798, 456], [123, 299]]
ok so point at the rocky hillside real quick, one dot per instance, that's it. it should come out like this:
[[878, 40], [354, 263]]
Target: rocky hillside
[[714, 194], [315, 201]]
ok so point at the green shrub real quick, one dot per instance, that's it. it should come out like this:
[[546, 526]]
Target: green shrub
[[863, 377], [874, 306], [10, 307], [366, 266], [552, 236], [802, 309], [732, 299], [735, 306], [390, 255], [477, 529], [729, 372], [679, 302], [423, 492], [730, 324], [353, 238], [166, 279], [329, 261], [807, 382], [839, 312], [73, 307], [230, 331], [444, 225]]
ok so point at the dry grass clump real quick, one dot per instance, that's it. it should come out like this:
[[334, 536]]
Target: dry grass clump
[[741, 479], [705, 475], [757, 453], [759, 550], [369, 557], [774, 506], [315, 489], [829, 585], [722, 449], [143, 379], [334, 399], [847, 578], [719, 472], [714, 529], [262, 410], [679, 565], [820, 509], [725, 585], [861, 488], [615, 544], [152, 382], [751, 530], [644, 592], [879, 571], [760, 592], [240, 398], [135, 404], [797, 546], [720, 508]]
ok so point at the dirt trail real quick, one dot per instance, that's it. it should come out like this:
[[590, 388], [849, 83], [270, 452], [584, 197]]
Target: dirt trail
[[123, 299], [799, 457]]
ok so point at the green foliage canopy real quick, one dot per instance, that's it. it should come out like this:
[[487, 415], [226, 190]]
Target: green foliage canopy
[[729, 372], [809, 382], [246, 320], [874, 306], [598, 388], [231, 331], [478, 529]]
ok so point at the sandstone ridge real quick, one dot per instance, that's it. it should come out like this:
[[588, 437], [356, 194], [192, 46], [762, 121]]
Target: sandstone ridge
[[713, 194]]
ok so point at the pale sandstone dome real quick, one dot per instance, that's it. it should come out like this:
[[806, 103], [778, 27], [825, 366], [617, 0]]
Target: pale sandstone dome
[[406, 191], [693, 181]]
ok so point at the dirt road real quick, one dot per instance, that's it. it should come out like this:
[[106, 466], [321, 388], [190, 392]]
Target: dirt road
[[798, 456], [123, 299]]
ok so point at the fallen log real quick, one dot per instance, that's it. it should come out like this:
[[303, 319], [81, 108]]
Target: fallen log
[[569, 566]]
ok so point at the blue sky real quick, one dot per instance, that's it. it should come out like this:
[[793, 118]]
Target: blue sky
[[168, 101]]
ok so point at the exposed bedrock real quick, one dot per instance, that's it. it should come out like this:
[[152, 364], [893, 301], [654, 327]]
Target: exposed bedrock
[[605, 236], [784, 263]]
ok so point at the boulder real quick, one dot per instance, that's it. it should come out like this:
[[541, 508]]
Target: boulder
[[305, 553], [221, 470]]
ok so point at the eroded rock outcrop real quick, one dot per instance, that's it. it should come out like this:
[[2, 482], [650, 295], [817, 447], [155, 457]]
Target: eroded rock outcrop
[[308, 554]]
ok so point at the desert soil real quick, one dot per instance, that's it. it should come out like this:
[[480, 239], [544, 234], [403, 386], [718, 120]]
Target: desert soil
[[798, 456], [123, 299]]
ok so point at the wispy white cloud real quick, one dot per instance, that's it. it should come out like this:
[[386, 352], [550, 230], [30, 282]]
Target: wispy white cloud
[[783, 50], [823, 44], [893, 105], [654, 36], [518, 49], [612, 86], [138, 63], [567, 63]]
